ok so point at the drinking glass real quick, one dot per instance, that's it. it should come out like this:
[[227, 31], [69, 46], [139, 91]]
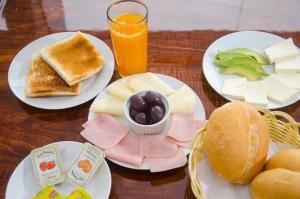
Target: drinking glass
[[128, 24]]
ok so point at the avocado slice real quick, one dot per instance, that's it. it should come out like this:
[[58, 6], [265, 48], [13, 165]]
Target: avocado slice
[[245, 71], [227, 55], [249, 52], [241, 61]]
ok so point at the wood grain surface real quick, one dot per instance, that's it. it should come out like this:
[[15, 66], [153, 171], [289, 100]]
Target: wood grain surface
[[23, 128]]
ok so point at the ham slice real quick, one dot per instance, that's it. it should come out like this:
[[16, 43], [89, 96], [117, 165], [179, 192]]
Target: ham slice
[[164, 164], [104, 131], [183, 127], [128, 151], [178, 143], [156, 146]]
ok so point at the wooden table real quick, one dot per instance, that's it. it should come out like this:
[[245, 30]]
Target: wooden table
[[23, 128]]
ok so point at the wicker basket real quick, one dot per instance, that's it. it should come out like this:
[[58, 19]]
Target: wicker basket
[[282, 127]]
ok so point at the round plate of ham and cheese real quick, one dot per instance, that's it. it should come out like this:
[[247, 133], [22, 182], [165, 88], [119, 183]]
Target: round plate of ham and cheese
[[23, 179], [279, 89], [107, 127]]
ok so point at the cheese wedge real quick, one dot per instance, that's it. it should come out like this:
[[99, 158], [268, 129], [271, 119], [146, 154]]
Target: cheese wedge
[[289, 79], [148, 81], [283, 50], [108, 104], [234, 87], [254, 93], [278, 91], [182, 100], [291, 65], [119, 89]]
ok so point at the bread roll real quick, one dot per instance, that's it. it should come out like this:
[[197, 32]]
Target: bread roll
[[287, 159], [276, 184], [237, 142]]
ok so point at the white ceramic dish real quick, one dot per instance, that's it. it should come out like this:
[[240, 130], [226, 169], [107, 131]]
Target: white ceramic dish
[[199, 113], [22, 185], [215, 187], [17, 74], [246, 39], [156, 128]]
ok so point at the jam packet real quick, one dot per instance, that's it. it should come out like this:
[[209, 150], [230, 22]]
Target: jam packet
[[48, 193], [46, 165], [85, 165]]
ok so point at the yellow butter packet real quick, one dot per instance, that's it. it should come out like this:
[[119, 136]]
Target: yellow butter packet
[[48, 193], [79, 193]]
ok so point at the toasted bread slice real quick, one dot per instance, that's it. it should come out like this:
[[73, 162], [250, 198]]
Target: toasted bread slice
[[74, 58], [42, 81]]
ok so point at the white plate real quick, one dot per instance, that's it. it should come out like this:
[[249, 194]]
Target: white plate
[[216, 187], [199, 114], [22, 185], [17, 74], [246, 39]]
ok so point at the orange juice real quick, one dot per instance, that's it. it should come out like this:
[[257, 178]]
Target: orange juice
[[129, 36]]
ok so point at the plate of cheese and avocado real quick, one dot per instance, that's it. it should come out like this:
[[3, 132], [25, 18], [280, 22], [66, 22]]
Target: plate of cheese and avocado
[[259, 68]]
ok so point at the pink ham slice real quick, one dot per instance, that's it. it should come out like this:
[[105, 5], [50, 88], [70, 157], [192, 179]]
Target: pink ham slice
[[164, 164], [156, 146], [183, 128], [178, 143], [104, 131], [128, 151]]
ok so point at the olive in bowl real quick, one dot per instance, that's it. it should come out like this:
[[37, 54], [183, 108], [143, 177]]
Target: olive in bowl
[[147, 112]]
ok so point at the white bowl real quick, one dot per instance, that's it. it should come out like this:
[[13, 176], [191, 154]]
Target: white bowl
[[156, 128]]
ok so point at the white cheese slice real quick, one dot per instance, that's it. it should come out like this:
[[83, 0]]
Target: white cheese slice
[[289, 79], [278, 91], [254, 93], [182, 100], [148, 81], [234, 87], [283, 50], [291, 65], [119, 89], [108, 104]]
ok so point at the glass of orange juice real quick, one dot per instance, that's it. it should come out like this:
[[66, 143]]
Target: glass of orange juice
[[128, 24]]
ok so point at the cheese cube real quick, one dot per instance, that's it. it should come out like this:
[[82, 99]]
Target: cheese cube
[[278, 91], [234, 87], [291, 65], [254, 93], [289, 79], [283, 50], [182, 100]]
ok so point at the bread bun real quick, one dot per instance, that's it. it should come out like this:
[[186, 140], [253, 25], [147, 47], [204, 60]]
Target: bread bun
[[237, 142], [276, 184], [287, 159]]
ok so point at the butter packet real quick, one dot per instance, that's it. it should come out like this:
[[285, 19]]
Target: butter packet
[[79, 193], [46, 165], [48, 193], [85, 165]]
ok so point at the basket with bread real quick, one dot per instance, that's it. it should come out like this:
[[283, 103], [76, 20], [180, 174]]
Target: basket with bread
[[246, 152], [58, 69]]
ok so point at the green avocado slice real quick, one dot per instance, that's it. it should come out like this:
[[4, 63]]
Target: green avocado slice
[[241, 61], [245, 71], [249, 52]]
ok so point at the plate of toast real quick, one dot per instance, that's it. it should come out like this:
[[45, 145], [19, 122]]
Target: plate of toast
[[61, 70]]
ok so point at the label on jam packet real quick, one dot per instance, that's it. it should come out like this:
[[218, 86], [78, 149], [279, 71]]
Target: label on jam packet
[[86, 164], [79, 193], [48, 193], [46, 165]]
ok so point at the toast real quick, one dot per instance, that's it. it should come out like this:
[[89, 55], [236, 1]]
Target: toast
[[74, 59], [43, 81]]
